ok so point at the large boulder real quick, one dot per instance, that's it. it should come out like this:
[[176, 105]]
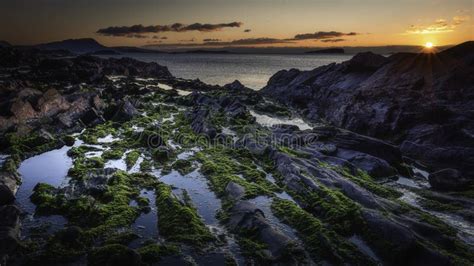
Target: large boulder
[[448, 179]]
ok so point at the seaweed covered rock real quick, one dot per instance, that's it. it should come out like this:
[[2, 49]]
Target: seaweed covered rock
[[114, 254]]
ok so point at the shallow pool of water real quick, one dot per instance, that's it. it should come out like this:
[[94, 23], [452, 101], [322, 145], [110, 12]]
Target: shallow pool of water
[[206, 203], [147, 223], [107, 139], [50, 167], [269, 121]]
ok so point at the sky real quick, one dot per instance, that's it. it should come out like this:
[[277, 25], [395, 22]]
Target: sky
[[260, 23]]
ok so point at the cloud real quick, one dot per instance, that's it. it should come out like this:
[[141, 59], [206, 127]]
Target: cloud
[[247, 30], [322, 35], [458, 20], [138, 36], [251, 41], [125, 31], [189, 40], [333, 40], [438, 26]]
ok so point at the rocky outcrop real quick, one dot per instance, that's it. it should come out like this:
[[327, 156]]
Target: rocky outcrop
[[9, 230], [448, 179], [421, 101]]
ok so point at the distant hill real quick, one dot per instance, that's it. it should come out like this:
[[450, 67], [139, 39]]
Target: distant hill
[[105, 52], [5, 44], [207, 52], [131, 49], [78, 46], [327, 51]]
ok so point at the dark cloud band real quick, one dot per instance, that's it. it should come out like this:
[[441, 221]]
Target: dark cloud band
[[124, 31], [323, 35]]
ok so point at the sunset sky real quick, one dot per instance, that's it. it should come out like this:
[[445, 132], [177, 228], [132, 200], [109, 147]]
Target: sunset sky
[[239, 23]]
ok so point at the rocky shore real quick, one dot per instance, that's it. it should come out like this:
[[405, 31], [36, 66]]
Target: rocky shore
[[172, 171], [421, 102]]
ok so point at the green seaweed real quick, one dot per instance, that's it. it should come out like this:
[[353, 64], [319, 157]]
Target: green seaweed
[[320, 242], [179, 222]]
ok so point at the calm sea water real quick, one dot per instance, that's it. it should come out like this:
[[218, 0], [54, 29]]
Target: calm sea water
[[250, 69]]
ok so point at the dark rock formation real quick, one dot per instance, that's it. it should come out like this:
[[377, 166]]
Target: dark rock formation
[[77, 46], [448, 179], [421, 101], [327, 51]]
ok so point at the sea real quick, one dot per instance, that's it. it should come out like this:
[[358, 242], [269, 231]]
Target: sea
[[252, 70]]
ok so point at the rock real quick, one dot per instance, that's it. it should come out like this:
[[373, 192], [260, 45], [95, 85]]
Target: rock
[[52, 103], [114, 254], [367, 61], [10, 216], [124, 111], [92, 117], [23, 111], [78, 109], [374, 166], [69, 140], [236, 85], [403, 98], [234, 190], [448, 180], [8, 240], [70, 234], [9, 230], [246, 216], [8, 186]]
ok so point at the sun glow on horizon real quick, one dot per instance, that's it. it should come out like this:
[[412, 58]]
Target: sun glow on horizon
[[429, 45]]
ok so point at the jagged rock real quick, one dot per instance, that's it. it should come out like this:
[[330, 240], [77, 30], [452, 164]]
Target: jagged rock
[[425, 99], [374, 166], [8, 186], [246, 216], [236, 85], [10, 216], [448, 179], [9, 230], [8, 240], [52, 103], [124, 111], [23, 111], [234, 190]]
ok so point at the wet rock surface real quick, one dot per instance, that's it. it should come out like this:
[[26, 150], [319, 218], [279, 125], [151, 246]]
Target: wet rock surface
[[158, 176], [421, 101]]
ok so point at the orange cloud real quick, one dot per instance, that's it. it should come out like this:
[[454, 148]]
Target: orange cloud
[[439, 26]]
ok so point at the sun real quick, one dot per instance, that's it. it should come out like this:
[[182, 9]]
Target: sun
[[429, 45]]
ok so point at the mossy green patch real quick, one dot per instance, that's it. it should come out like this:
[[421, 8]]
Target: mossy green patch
[[320, 242], [331, 206], [83, 165], [152, 253], [114, 254], [221, 168], [182, 166], [179, 222], [92, 134], [113, 153], [122, 238], [364, 180], [131, 158]]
